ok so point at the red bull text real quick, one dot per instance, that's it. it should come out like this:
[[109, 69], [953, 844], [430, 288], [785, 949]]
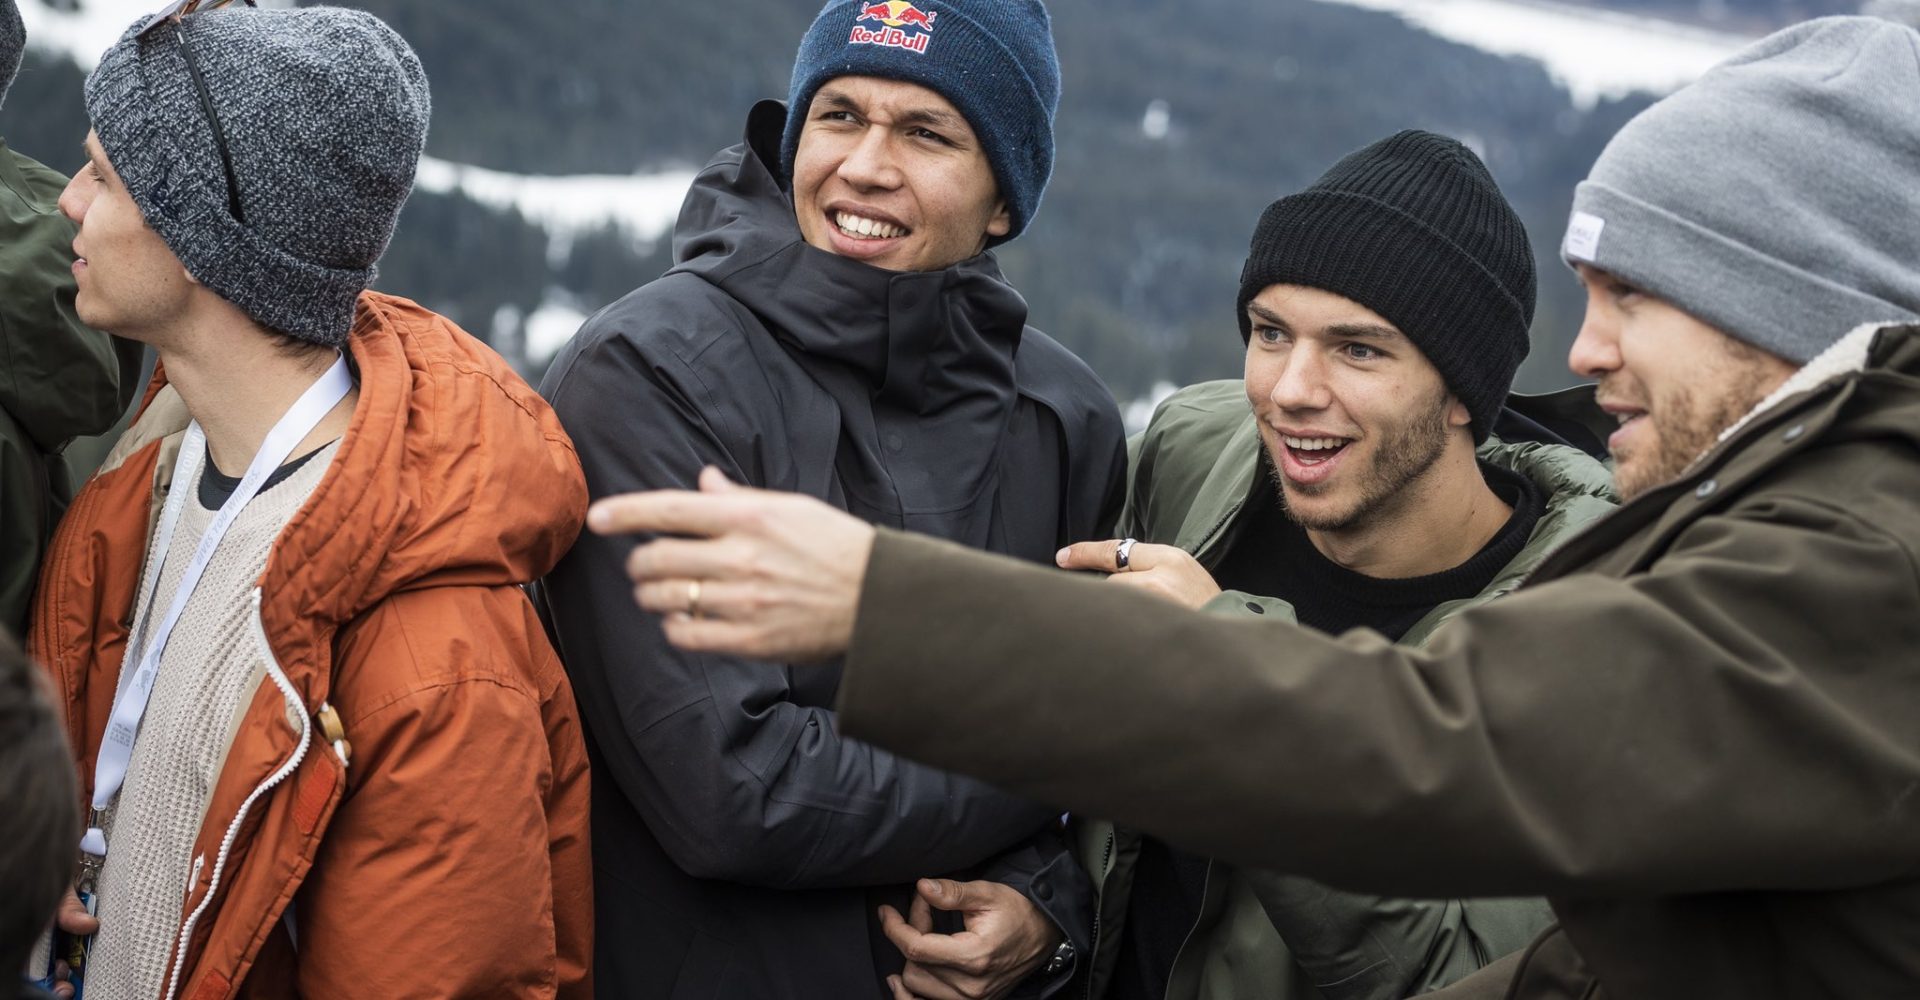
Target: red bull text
[[894, 17]]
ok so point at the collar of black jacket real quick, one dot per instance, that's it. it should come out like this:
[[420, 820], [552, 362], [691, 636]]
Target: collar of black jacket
[[918, 340]]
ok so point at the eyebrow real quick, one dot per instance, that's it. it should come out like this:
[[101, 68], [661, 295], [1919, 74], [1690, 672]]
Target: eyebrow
[[1351, 331], [1266, 315], [936, 119], [1364, 331]]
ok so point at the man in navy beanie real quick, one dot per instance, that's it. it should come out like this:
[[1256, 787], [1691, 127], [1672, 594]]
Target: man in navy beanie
[[835, 323]]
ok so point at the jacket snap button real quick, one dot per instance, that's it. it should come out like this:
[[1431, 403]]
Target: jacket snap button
[[1706, 489], [1255, 608], [1795, 433], [1042, 891]]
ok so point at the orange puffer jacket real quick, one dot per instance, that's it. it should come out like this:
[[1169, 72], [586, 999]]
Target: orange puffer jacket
[[446, 855]]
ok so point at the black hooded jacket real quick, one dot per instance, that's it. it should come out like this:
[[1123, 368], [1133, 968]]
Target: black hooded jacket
[[741, 844]]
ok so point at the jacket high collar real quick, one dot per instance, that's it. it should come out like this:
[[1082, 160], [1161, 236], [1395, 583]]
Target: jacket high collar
[[920, 364], [922, 340]]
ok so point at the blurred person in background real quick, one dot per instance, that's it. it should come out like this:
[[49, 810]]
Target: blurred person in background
[[331, 752], [836, 324], [38, 827], [61, 379]]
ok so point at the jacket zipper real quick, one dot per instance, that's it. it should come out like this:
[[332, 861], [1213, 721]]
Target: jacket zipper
[[1093, 939], [1206, 892], [233, 829]]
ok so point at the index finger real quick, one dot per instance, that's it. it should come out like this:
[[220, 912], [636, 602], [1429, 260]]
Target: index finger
[[671, 512]]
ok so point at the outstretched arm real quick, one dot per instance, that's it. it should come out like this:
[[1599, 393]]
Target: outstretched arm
[[1593, 734]]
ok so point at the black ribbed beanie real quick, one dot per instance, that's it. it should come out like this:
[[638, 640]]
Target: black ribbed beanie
[[1414, 228]]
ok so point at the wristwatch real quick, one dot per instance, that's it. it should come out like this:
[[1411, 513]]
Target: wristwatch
[[1061, 959]]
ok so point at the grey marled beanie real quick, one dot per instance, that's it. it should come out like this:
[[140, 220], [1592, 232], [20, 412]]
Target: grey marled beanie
[[13, 45], [324, 114], [1772, 198]]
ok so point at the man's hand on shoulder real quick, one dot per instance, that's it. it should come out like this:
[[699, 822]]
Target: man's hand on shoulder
[[1006, 939], [1164, 571]]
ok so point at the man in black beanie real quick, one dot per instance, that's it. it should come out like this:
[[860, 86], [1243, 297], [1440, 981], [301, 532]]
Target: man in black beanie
[[1352, 480]]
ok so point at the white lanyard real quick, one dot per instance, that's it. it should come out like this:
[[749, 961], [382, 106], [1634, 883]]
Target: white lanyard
[[116, 748]]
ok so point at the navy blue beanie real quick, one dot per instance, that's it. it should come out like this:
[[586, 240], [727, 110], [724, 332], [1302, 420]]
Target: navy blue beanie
[[993, 59]]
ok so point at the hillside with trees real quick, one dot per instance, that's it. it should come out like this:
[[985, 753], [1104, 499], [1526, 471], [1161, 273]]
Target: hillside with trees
[[1179, 122]]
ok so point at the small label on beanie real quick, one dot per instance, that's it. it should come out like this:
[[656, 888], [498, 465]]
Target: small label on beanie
[[895, 18], [1583, 236]]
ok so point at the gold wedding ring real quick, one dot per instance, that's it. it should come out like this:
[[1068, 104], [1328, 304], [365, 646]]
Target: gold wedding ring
[[693, 599]]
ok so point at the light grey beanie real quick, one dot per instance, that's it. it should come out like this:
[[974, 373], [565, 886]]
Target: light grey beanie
[[13, 45], [1775, 197], [324, 112]]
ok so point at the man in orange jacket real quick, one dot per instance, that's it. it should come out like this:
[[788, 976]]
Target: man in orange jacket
[[326, 747]]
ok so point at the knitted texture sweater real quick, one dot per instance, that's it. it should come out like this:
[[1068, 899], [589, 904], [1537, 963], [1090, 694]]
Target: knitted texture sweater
[[208, 675]]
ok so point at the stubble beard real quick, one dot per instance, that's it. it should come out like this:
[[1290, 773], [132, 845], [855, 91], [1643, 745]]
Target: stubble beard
[[1406, 454], [1690, 425]]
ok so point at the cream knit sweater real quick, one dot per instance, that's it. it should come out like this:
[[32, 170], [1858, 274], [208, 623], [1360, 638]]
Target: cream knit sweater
[[208, 676]]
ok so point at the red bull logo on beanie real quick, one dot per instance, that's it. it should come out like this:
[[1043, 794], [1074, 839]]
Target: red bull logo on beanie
[[894, 19]]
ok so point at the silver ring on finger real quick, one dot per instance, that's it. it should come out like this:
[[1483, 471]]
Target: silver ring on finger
[[1123, 555]]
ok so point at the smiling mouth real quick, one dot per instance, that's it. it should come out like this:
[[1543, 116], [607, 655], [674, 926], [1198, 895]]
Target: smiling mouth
[[860, 227], [1313, 451]]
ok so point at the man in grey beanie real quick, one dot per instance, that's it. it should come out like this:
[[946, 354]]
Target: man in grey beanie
[[62, 379], [328, 749], [1693, 729]]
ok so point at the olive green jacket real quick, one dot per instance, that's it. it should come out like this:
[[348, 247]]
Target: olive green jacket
[[1193, 471], [1692, 729], [58, 379]]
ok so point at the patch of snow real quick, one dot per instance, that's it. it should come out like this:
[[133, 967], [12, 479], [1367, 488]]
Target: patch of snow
[[547, 329], [1155, 122], [86, 32], [1593, 53], [1138, 413], [643, 205]]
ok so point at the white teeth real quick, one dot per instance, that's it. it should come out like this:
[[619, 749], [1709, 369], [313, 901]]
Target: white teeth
[[1313, 444], [855, 225]]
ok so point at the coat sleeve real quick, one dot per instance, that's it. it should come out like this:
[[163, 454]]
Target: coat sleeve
[[1738, 715], [735, 776], [26, 512], [437, 876], [1361, 947], [1045, 871]]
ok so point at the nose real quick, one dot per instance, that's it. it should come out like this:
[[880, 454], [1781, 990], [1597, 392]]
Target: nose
[[1596, 350], [1302, 384], [73, 200], [870, 163]]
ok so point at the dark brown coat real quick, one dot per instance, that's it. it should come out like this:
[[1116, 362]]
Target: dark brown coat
[[1697, 730]]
